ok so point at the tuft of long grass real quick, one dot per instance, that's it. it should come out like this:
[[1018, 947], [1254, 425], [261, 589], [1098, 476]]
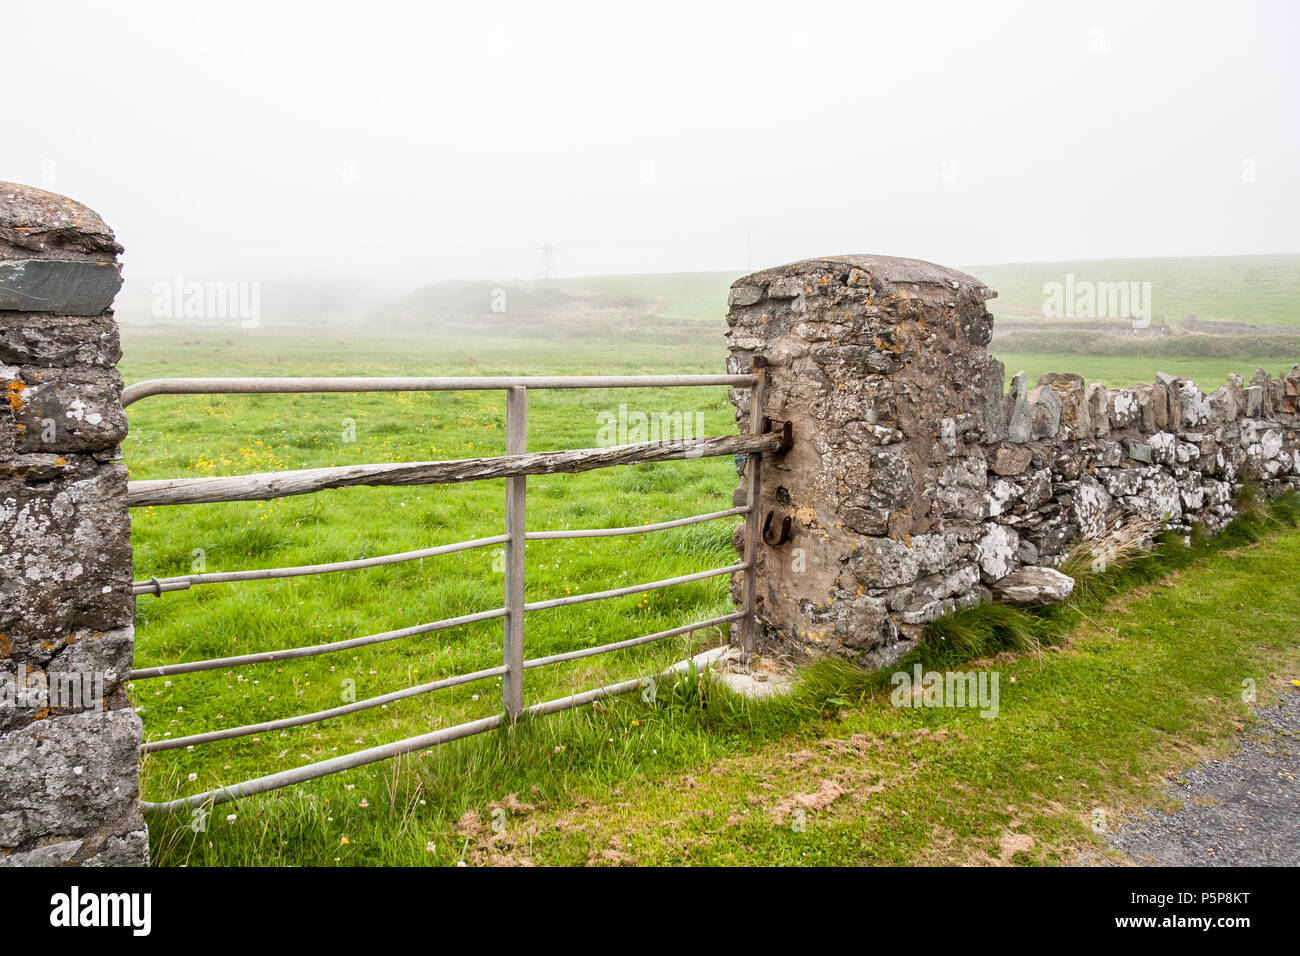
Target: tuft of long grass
[[1124, 540], [985, 629]]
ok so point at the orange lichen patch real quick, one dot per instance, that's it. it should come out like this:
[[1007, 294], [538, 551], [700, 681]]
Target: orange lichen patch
[[14, 395], [6, 646], [60, 460]]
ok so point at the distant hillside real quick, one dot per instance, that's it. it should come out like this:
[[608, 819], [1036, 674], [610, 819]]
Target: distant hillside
[[1225, 294], [680, 306], [1256, 290]]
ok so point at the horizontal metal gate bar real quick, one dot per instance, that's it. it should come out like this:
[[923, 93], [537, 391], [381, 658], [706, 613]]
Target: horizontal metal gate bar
[[633, 589], [184, 581], [263, 657], [636, 529], [633, 642], [298, 719], [253, 386]]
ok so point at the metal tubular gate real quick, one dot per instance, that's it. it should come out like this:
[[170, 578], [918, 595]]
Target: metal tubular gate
[[514, 467]]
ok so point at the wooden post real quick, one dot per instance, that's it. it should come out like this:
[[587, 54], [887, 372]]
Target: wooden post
[[749, 623], [281, 484], [512, 684]]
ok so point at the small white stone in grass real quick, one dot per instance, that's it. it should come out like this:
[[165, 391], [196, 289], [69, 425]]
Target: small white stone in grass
[[179, 709], [231, 818]]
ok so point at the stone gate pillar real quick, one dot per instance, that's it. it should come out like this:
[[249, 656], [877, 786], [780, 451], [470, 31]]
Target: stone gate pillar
[[69, 762], [879, 363], [914, 487]]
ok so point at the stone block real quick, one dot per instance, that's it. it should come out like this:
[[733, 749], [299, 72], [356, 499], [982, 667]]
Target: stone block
[[1034, 586]]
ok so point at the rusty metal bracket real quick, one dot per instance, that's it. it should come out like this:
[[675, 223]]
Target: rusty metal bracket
[[783, 537], [787, 433]]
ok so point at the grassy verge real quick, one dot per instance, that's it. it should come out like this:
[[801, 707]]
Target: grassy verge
[[1138, 676]]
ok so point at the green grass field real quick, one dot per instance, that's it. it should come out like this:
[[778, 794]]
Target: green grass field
[[412, 806]]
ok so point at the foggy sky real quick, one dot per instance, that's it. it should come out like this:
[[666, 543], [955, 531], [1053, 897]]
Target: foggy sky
[[426, 141]]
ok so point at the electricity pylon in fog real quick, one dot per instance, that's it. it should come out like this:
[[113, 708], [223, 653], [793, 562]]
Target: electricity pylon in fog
[[546, 261]]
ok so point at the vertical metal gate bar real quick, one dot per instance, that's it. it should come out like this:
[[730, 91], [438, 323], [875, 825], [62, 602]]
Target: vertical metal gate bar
[[749, 623], [512, 684]]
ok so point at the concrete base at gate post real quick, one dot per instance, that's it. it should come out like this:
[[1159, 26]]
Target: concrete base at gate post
[[69, 738]]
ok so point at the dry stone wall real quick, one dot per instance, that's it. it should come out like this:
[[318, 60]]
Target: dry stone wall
[[917, 486], [69, 738]]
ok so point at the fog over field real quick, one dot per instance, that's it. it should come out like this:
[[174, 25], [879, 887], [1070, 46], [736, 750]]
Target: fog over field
[[386, 149]]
